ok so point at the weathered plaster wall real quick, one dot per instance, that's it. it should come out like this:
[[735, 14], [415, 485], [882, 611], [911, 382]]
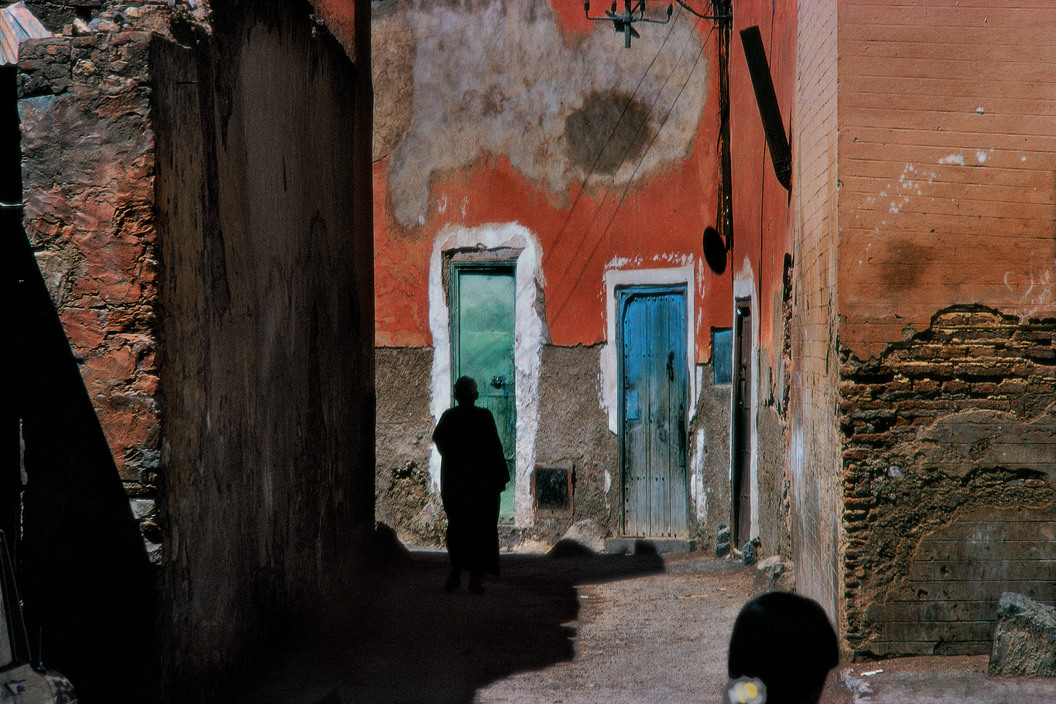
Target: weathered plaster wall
[[813, 449], [267, 361], [87, 150], [761, 205], [709, 461], [495, 113], [521, 124], [405, 494], [573, 435], [762, 217], [86, 388], [947, 258], [950, 466]]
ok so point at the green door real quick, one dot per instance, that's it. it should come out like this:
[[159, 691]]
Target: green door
[[482, 324]]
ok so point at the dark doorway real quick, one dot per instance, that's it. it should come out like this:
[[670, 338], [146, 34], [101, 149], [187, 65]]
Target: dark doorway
[[742, 405]]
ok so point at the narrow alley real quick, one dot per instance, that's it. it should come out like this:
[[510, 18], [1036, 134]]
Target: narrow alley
[[576, 629], [765, 276]]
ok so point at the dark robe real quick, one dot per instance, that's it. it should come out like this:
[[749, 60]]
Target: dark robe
[[472, 475]]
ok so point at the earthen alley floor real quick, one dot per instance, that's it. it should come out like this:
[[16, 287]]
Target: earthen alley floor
[[579, 629]]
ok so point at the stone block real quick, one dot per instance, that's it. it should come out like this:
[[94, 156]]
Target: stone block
[[1024, 639], [774, 574], [586, 534], [722, 541]]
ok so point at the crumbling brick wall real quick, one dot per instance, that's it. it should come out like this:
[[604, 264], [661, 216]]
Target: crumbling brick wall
[[949, 481]]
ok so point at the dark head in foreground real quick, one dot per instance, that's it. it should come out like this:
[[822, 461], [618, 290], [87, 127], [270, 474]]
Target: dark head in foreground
[[786, 641]]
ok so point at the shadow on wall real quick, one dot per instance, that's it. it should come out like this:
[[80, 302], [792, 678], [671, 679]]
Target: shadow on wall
[[89, 590], [405, 639]]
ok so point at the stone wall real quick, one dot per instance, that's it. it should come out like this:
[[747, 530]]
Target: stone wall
[[84, 337], [949, 481], [87, 150]]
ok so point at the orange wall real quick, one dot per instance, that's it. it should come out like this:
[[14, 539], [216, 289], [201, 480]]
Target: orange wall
[[661, 217], [761, 214], [947, 154], [655, 221], [813, 454]]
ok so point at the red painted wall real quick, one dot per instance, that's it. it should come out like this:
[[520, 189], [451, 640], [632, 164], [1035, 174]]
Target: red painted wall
[[655, 222], [762, 225], [946, 160]]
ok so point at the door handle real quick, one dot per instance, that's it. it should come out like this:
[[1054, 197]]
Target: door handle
[[498, 381]]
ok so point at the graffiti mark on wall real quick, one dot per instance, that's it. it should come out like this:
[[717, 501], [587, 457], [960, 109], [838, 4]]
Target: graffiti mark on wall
[[1035, 291]]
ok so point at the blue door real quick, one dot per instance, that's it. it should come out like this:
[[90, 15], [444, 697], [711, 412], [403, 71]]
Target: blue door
[[654, 380]]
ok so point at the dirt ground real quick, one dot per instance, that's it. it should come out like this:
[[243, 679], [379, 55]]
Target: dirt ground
[[578, 629]]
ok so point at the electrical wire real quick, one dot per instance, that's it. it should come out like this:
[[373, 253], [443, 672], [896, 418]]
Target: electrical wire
[[623, 195], [590, 172], [582, 243]]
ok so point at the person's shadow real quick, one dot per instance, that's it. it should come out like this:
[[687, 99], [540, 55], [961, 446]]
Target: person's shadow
[[405, 640]]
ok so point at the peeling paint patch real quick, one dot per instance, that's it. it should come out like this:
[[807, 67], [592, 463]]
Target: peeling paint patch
[[957, 159], [696, 483], [579, 113]]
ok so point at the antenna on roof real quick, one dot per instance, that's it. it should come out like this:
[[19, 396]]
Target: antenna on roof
[[633, 12]]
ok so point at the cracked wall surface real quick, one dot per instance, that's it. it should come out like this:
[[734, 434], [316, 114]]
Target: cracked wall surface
[[949, 468], [457, 81], [522, 116]]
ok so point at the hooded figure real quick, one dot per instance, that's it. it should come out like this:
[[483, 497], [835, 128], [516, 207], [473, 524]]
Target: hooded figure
[[472, 475]]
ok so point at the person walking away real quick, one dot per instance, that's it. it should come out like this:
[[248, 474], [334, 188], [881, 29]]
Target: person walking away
[[473, 473]]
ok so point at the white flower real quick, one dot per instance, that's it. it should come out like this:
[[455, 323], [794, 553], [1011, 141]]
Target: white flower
[[746, 690]]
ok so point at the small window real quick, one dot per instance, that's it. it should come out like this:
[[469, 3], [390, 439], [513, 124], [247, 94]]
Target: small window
[[722, 355], [552, 488]]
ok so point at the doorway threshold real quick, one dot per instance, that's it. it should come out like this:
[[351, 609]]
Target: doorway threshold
[[636, 546]]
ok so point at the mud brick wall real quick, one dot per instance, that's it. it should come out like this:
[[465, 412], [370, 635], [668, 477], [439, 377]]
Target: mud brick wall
[[404, 497], [949, 481], [87, 151], [813, 446]]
